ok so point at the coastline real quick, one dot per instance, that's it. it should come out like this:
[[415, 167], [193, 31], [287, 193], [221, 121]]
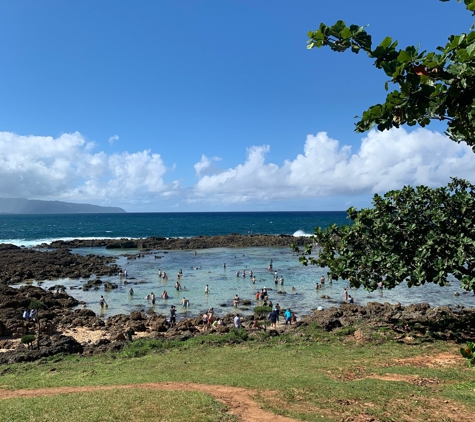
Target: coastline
[[66, 330]]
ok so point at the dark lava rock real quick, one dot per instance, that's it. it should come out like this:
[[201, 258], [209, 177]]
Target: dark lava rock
[[22, 264]]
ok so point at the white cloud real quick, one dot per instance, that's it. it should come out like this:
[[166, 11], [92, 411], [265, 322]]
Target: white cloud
[[385, 160], [114, 138], [205, 165], [65, 168], [68, 168]]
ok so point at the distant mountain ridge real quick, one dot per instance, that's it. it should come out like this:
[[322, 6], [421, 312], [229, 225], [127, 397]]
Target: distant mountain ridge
[[35, 206]]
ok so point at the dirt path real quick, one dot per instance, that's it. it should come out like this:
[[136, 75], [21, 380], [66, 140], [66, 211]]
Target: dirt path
[[238, 400]]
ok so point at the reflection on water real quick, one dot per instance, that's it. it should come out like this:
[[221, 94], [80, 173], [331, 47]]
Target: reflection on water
[[207, 268]]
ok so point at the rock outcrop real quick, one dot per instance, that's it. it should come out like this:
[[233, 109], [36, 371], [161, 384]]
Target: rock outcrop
[[21, 264]]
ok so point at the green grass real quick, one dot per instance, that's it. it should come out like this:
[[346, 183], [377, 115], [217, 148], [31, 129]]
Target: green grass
[[303, 375], [116, 405]]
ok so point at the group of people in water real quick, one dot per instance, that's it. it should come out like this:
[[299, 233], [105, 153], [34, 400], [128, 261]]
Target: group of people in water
[[261, 296]]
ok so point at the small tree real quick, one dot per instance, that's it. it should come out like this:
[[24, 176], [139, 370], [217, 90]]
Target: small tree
[[262, 311], [28, 339], [37, 305]]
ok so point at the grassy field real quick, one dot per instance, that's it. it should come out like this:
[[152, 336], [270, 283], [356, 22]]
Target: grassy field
[[303, 375]]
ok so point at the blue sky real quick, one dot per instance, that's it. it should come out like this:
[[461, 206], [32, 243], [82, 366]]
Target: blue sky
[[191, 105]]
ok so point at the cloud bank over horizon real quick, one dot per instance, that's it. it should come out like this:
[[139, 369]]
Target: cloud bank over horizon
[[68, 168]]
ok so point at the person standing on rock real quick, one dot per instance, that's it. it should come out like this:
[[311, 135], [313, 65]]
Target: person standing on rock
[[237, 322], [273, 319], [288, 317], [277, 312], [172, 316]]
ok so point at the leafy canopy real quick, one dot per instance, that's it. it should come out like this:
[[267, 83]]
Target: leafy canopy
[[417, 235], [435, 85]]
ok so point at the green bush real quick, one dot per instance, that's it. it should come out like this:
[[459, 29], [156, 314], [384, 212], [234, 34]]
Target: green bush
[[469, 353], [28, 339]]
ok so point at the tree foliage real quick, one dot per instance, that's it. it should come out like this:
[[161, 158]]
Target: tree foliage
[[418, 235], [435, 85], [37, 305]]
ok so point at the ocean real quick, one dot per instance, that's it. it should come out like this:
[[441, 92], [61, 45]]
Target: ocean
[[207, 266], [30, 230]]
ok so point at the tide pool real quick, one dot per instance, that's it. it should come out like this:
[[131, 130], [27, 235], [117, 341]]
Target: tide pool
[[207, 268]]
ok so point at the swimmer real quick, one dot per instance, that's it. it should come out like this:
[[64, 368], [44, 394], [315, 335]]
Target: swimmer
[[131, 292], [281, 281], [322, 280], [237, 273], [293, 288], [236, 300], [206, 289], [152, 296]]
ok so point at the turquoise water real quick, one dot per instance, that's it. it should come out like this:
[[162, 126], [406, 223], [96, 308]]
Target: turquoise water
[[207, 266]]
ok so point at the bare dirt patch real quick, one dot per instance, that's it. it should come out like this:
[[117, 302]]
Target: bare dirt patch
[[443, 360], [238, 400], [411, 379]]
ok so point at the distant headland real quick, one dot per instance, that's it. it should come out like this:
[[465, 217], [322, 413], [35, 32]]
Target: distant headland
[[34, 206]]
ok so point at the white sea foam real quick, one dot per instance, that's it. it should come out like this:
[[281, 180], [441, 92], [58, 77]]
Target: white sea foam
[[35, 242], [299, 233]]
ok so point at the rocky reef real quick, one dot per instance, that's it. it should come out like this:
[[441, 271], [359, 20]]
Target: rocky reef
[[22, 264], [199, 242], [61, 319]]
